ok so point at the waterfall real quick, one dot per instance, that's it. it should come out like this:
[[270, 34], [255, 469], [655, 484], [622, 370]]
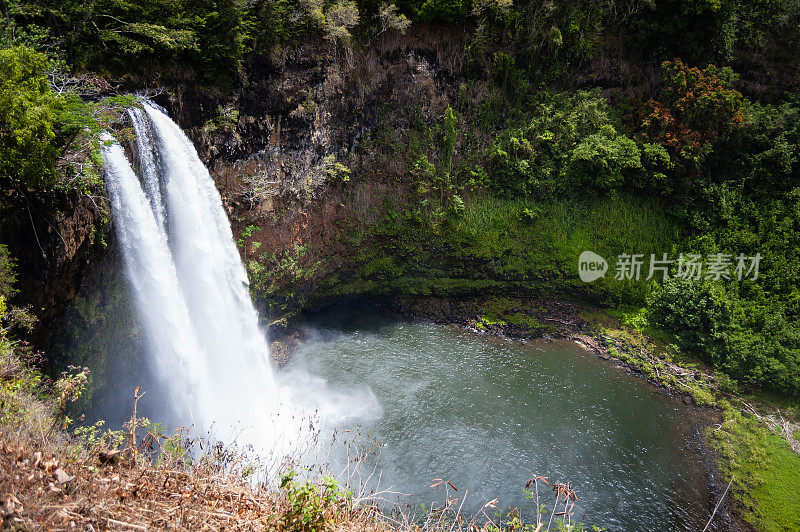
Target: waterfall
[[189, 284]]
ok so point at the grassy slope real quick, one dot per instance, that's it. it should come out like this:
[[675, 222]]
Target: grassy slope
[[501, 246], [779, 497], [766, 472]]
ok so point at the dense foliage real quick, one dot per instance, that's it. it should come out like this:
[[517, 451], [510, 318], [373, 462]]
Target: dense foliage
[[545, 39], [48, 132], [28, 113], [118, 35], [726, 168]]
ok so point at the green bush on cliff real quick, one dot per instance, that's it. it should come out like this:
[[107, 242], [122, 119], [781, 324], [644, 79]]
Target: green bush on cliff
[[752, 343], [745, 200], [269, 24], [604, 161], [28, 113], [49, 138], [570, 143], [442, 10]]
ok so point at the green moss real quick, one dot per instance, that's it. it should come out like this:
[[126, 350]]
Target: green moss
[[382, 266], [542, 254], [765, 470], [490, 247], [616, 353], [702, 396], [508, 312]]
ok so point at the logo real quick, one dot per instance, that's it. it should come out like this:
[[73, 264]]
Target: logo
[[591, 266], [692, 266]]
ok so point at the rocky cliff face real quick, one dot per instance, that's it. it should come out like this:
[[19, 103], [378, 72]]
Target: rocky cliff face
[[55, 239], [273, 141], [277, 136]]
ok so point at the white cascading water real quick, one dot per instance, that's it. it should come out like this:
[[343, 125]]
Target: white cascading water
[[190, 286]]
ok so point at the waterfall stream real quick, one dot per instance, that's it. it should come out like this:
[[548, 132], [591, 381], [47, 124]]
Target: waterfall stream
[[189, 284]]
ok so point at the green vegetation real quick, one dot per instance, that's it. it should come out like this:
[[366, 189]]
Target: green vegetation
[[568, 141], [113, 35], [765, 470], [536, 41], [49, 139], [568, 172], [493, 245], [29, 109], [32, 405], [312, 506]]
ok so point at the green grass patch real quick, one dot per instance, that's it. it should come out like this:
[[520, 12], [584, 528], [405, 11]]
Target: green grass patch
[[505, 312], [527, 245], [608, 225], [766, 472], [701, 395]]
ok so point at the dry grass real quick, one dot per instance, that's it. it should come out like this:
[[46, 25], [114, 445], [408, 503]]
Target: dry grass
[[44, 488]]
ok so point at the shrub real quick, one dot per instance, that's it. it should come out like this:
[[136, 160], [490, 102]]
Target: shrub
[[269, 23], [696, 108], [754, 344], [311, 506], [604, 160], [28, 113], [340, 18], [442, 10], [693, 310], [392, 20], [569, 142]]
